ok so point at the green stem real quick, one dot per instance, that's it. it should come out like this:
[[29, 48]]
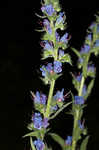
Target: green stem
[[81, 86], [76, 117], [47, 113]]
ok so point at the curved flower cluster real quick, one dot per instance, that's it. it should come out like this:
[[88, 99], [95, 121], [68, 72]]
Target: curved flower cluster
[[51, 68], [40, 98], [59, 96], [48, 9], [39, 122]]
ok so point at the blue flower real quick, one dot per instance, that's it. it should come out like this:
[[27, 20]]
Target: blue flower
[[37, 97], [78, 100], [39, 144], [79, 77], [91, 68], [96, 43], [49, 67], [43, 71], [85, 49], [80, 60], [47, 46], [54, 107], [40, 98], [89, 37], [48, 9], [57, 66], [81, 126], [57, 36], [61, 53], [47, 26], [64, 38], [37, 121], [59, 95], [60, 18], [68, 141], [43, 99]]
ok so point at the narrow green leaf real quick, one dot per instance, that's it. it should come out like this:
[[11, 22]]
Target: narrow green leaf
[[58, 139], [90, 86], [76, 52], [84, 143], [35, 133]]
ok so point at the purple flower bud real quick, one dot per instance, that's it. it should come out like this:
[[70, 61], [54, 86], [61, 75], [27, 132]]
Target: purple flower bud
[[54, 107], [80, 60], [47, 26], [91, 68], [85, 49], [48, 46], [57, 36], [45, 122], [37, 121], [89, 37], [48, 9], [68, 141], [84, 90], [60, 18], [64, 38], [43, 99], [61, 53], [57, 66], [79, 100], [81, 125], [96, 43], [37, 98], [59, 95], [39, 144]]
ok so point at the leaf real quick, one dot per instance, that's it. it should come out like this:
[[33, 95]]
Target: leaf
[[76, 52], [84, 143], [90, 86], [66, 58], [34, 133], [58, 139], [30, 126]]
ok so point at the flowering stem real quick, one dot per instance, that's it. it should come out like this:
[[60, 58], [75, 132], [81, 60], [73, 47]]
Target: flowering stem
[[47, 113], [76, 116]]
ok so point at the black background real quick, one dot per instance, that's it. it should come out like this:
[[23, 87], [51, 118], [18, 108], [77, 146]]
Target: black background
[[20, 55]]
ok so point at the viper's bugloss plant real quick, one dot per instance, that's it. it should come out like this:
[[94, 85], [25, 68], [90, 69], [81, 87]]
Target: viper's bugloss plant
[[48, 107]]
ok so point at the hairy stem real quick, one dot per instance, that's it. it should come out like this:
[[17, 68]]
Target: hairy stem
[[50, 98]]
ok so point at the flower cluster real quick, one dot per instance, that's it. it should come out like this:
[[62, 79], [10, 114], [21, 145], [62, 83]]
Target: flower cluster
[[51, 68], [39, 144], [40, 98], [47, 107], [39, 122]]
